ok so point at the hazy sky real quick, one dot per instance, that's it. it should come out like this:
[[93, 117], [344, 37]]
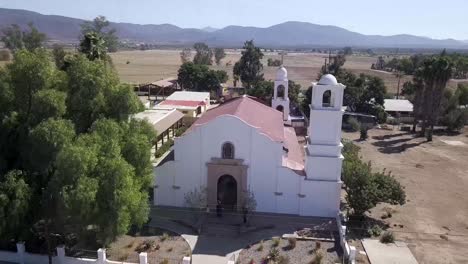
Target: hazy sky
[[432, 18]]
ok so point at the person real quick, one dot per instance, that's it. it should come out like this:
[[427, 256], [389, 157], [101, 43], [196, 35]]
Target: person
[[244, 214], [219, 209]]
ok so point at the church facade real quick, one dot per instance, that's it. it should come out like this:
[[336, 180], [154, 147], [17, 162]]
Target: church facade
[[245, 146]]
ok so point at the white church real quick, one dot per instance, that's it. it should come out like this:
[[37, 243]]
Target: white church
[[244, 145]]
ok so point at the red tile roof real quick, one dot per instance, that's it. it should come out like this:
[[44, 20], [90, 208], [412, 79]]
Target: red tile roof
[[268, 120], [182, 103], [295, 157]]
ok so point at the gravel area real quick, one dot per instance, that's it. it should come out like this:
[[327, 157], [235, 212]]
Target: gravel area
[[303, 252], [159, 244]]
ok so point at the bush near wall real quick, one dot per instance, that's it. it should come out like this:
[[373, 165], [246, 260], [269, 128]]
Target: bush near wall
[[164, 148]]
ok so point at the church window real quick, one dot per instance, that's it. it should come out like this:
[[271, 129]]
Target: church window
[[228, 151], [326, 99], [280, 91]]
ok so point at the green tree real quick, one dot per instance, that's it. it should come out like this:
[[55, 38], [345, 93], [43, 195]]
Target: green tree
[[203, 54], [14, 205], [33, 39], [13, 37], [59, 54], [435, 73], [83, 158], [29, 73], [198, 77], [364, 188], [100, 26], [249, 67], [262, 90], [16, 39], [93, 46], [219, 54], [185, 55]]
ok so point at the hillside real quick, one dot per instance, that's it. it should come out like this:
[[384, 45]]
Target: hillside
[[286, 35]]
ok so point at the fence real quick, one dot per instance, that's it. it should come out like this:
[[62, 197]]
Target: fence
[[349, 251], [22, 257]]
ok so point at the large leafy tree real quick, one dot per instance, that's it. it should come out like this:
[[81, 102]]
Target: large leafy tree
[[197, 77], [71, 157], [14, 204], [365, 188], [203, 55], [249, 67], [219, 54], [100, 26], [93, 46], [16, 39]]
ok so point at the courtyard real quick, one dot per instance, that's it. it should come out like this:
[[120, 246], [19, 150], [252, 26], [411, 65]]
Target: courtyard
[[223, 238]]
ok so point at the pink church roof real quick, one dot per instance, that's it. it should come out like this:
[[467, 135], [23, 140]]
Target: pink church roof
[[268, 120]]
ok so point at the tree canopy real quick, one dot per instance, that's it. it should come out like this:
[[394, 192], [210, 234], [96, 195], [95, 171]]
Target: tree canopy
[[71, 157], [100, 27], [249, 67], [203, 55], [198, 77], [16, 39], [219, 54], [365, 188]]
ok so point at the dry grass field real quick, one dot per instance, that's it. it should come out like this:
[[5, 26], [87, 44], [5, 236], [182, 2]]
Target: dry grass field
[[303, 68], [434, 221]]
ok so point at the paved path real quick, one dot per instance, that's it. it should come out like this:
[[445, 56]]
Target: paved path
[[393, 253], [220, 237]]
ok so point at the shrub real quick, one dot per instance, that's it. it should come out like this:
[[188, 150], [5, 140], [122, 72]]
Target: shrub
[[354, 124], [164, 237], [374, 231], [170, 249], [318, 258], [276, 241], [260, 247], [273, 255], [164, 261], [164, 148], [180, 131], [387, 237], [128, 62], [292, 242], [363, 132], [318, 245], [364, 188]]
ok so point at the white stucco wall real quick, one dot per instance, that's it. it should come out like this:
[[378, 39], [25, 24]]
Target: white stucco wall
[[276, 188]]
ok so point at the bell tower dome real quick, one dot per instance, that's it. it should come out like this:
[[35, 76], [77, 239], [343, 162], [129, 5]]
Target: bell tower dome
[[280, 99], [324, 159]]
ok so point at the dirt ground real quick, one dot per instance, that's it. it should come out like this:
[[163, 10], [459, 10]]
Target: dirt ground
[[164, 245], [153, 65], [434, 221], [303, 252]]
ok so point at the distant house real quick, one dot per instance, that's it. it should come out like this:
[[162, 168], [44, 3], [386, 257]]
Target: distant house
[[399, 108], [191, 104]]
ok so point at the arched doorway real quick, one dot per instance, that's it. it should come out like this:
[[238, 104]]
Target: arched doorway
[[227, 192]]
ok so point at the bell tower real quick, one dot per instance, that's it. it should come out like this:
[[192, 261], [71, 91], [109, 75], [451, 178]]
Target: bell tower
[[324, 159], [280, 99]]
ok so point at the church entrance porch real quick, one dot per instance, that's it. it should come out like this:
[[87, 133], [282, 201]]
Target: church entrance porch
[[226, 182], [227, 192]]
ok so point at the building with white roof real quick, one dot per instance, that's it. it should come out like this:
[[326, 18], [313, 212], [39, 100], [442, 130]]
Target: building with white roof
[[191, 104]]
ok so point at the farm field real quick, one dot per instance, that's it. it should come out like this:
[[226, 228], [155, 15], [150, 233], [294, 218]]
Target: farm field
[[434, 221], [153, 65]]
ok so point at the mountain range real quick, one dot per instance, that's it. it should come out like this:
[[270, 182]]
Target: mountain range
[[286, 35]]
